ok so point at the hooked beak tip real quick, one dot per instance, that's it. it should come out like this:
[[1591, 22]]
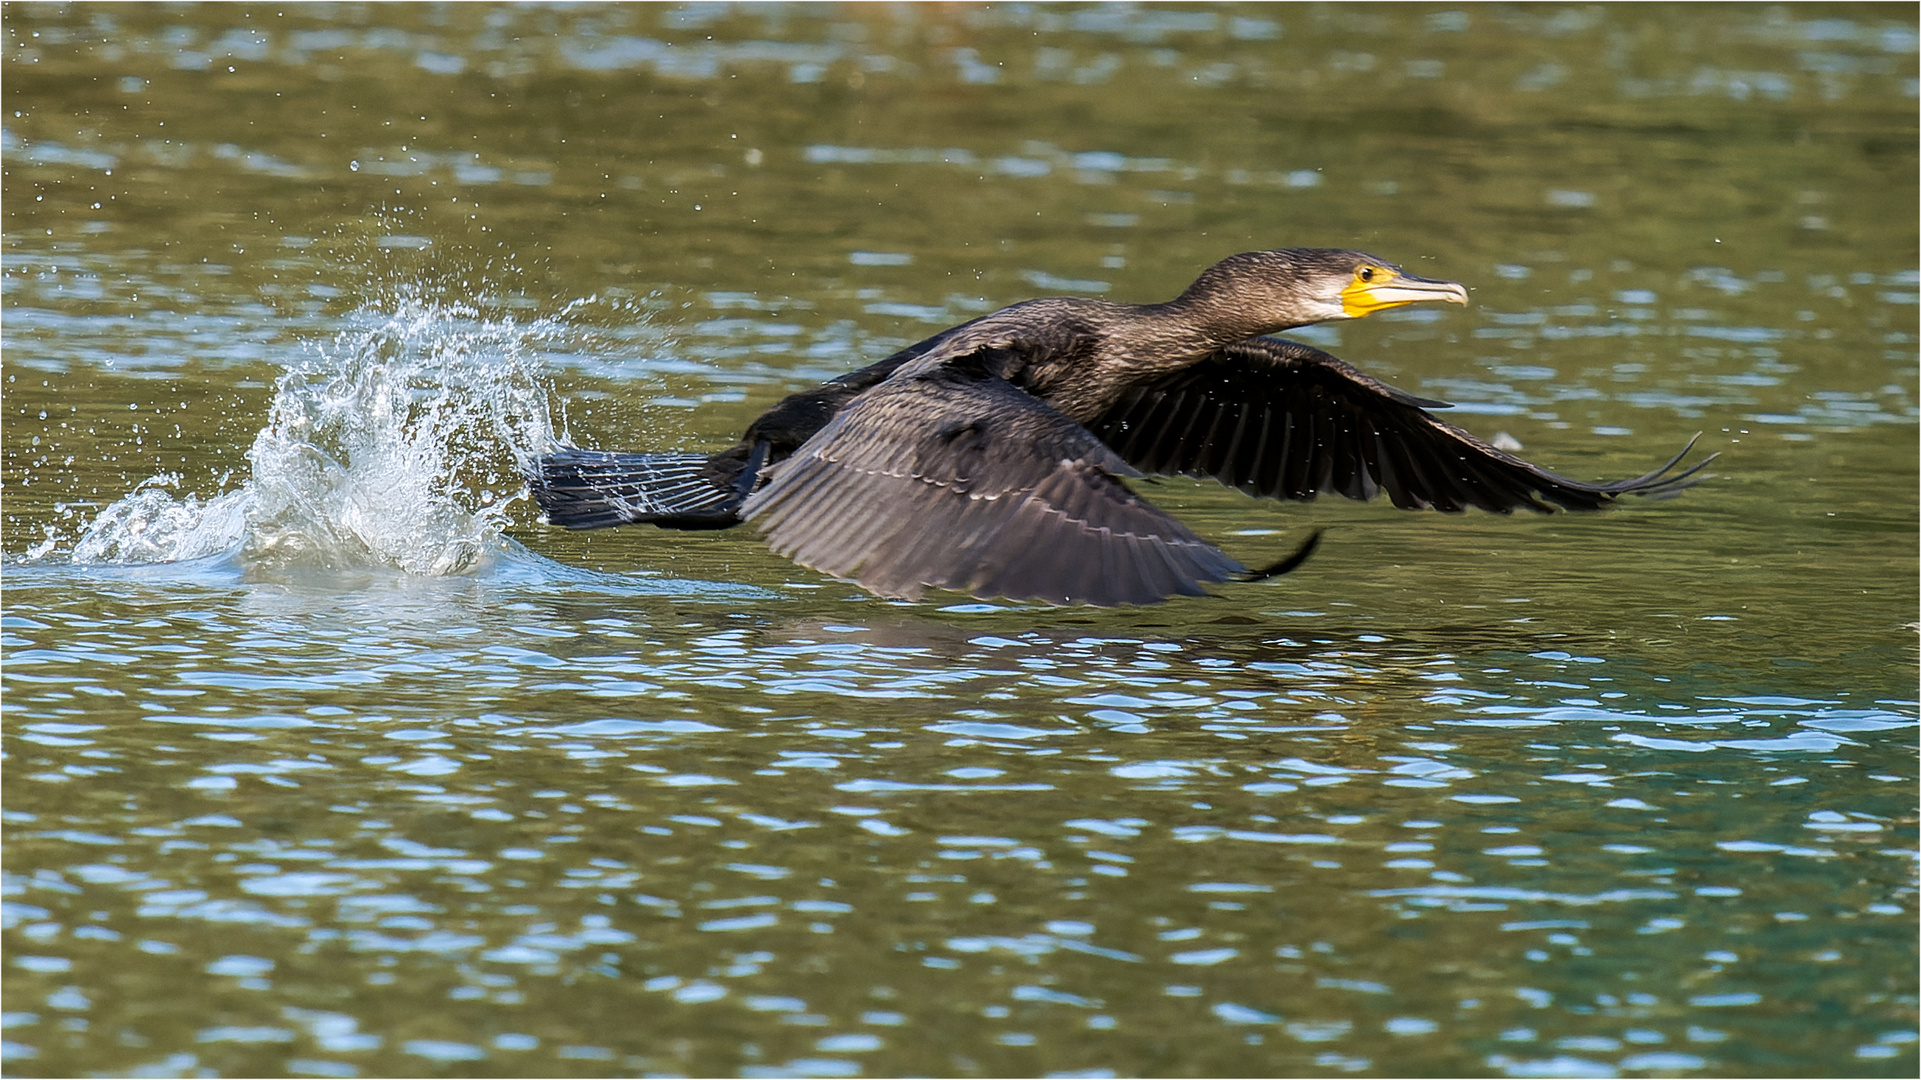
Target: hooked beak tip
[[1399, 291]]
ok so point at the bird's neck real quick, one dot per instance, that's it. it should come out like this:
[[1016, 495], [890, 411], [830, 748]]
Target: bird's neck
[[1135, 343], [1184, 331], [1214, 320], [1126, 344]]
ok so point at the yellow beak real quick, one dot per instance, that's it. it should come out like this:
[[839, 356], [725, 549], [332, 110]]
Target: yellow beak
[[1391, 290]]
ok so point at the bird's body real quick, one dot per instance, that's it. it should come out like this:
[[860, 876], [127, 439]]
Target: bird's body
[[989, 458]]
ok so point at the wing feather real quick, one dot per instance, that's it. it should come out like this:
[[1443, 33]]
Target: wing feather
[[1283, 420], [942, 477]]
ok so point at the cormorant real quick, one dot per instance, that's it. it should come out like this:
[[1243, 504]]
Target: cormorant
[[990, 458]]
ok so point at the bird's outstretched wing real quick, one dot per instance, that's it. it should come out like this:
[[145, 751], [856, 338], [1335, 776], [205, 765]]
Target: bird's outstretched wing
[[956, 479], [1278, 418]]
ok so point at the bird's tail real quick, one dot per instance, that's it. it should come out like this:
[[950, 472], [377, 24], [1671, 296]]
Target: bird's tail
[[593, 489]]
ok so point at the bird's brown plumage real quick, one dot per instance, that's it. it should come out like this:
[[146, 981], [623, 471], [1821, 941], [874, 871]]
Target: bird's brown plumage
[[991, 458]]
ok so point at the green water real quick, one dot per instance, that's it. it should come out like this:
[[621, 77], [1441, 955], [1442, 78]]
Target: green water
[[324, 758]]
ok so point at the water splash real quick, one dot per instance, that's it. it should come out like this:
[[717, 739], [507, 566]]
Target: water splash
[[398, 444], [150, 526]]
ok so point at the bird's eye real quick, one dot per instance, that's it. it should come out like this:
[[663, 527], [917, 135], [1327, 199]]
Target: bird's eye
[[1366, 273]]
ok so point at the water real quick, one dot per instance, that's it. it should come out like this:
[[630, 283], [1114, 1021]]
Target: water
[[324, 758]]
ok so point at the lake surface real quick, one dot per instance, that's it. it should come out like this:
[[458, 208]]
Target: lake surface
[[325, 758]]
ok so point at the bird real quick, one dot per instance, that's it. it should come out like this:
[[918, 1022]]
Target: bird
[[993, 458]]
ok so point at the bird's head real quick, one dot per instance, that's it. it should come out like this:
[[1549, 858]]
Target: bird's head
[[1275, 290]]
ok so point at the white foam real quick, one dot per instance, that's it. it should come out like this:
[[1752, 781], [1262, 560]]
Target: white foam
[[398, 444]]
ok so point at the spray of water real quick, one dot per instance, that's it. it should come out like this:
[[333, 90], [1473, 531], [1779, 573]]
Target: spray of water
[[397, 444]]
